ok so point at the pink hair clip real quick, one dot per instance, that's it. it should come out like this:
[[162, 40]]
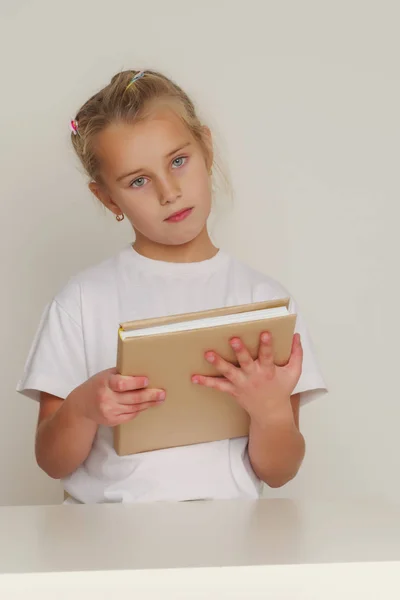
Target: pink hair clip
[[73, 125]]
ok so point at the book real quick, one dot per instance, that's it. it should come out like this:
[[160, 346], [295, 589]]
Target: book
[[170, 350]]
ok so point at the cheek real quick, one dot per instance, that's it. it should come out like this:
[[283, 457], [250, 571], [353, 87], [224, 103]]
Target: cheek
[[196, 181], [141, 217], [135, 211], [136, 203]]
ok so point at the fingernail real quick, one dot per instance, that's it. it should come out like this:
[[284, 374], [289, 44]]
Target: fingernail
[[195, 380], [265, 337], [210, 357], [161, 396], [145, 381], [235, 344]]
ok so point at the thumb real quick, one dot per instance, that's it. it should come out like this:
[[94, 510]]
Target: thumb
[[296, 357]]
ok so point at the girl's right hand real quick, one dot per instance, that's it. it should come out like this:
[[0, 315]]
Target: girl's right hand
[[111, 399]]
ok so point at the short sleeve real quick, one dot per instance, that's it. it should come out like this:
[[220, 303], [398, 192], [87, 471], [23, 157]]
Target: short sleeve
[[311, 384], [56, 362]]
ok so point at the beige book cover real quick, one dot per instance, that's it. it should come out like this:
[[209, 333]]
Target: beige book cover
[[193, 414]]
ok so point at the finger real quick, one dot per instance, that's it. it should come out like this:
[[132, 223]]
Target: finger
[[216, 383], [140, 408], [140, 397], [123, 383], [128, 416], [244, 357], [265, 351], [226, 369], [296, 357]]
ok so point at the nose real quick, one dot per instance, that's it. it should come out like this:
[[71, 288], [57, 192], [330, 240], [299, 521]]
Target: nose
[[169, 190]]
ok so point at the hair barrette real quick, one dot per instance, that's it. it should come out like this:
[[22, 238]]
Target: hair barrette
[[135, 78], [73, 125]]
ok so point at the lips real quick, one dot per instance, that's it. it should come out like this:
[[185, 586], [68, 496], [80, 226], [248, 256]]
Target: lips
[[179, 215]]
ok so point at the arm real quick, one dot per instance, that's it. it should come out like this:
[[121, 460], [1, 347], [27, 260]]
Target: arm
[[67, 428], [276, 449], [264, 390], [64, 437]]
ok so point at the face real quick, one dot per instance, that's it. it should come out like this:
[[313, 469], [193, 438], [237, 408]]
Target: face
[[157, 174]]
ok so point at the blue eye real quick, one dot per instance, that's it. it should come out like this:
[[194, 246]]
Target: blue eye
[[139, 182], [179, 161]]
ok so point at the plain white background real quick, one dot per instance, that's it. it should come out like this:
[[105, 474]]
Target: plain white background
[[303, 98]]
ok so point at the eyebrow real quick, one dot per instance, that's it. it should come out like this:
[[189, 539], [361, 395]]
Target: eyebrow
[[137, 171]]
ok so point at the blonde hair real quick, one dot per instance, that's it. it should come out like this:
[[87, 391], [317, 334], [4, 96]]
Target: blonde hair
[[121, 102]]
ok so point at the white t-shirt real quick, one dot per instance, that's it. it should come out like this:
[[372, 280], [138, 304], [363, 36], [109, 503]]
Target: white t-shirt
[[77, 338]]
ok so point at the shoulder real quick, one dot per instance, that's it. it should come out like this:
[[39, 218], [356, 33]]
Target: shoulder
[[95, 281]]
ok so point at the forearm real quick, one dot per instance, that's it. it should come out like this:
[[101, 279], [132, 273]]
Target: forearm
[[276, 448], [64, 440]]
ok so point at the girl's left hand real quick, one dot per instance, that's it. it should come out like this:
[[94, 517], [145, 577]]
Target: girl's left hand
[[259, 386]]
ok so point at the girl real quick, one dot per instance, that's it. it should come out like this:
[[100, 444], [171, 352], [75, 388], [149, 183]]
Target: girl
[[150, 159]]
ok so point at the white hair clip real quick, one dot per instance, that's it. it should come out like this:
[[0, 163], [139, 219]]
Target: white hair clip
[[135, 78]]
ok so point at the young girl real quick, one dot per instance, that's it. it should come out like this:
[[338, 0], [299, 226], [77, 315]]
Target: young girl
[[150, 160]]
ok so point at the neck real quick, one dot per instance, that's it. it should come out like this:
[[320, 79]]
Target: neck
[[201, 248]]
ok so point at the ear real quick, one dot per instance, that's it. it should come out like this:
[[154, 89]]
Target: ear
[[209, 147], [102, 194]]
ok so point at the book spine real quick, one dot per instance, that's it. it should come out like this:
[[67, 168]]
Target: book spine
[[120, 353]]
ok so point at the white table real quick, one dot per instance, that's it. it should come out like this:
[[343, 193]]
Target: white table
[[277, 549]]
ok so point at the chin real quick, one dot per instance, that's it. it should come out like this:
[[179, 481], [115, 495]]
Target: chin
[[180, 238]]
